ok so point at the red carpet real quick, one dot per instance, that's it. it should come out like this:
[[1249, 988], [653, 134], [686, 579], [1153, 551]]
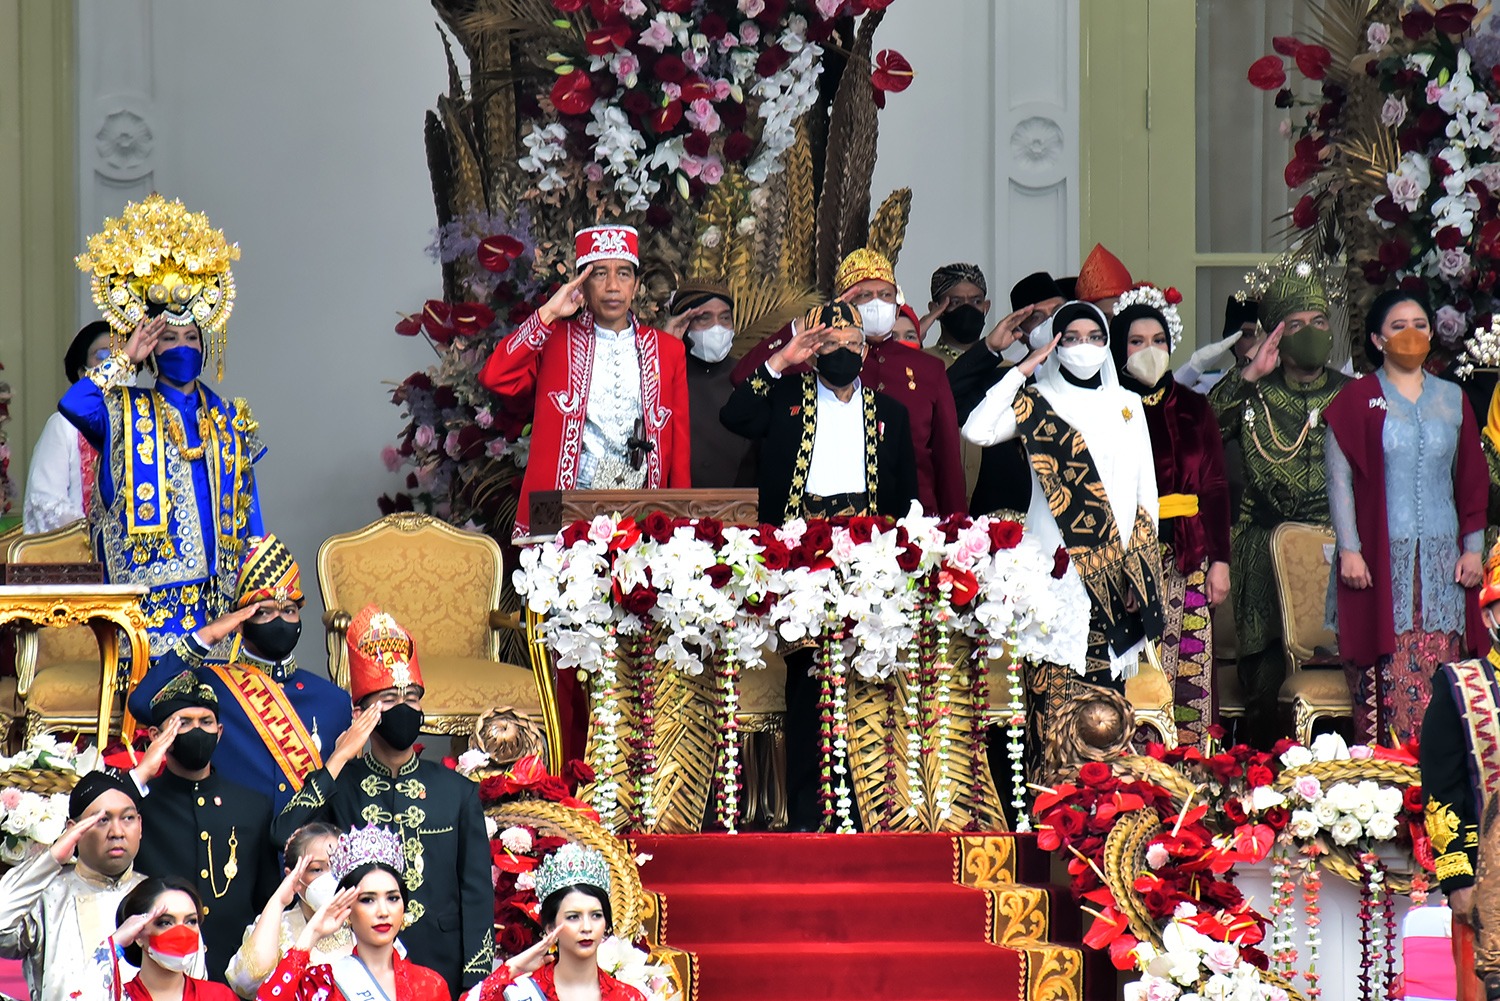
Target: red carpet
[[869, 916], [12, 981]]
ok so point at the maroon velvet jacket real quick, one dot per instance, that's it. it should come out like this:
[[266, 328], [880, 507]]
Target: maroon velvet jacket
[[1359, 428], [1189, 456], [919, 382]]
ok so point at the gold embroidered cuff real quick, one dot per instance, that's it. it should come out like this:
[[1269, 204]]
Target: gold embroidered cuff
[[113, 372], [1452, 865]]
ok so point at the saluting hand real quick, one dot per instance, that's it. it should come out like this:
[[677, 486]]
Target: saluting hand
[[537, 956], [130, 929], [567, 300], [156, 752], [352, 741], [143, 338], [216, 631], [1033, 361], [799, 349], [67, 843], [1267, 357], [1008, 330], [328, 919]]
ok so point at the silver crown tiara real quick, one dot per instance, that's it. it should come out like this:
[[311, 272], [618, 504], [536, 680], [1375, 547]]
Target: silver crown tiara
[[366, 844], [571, 865]]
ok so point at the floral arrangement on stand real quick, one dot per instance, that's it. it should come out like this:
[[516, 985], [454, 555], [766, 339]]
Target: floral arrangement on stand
[[1397, 157], [699, 123], [1156, 840], [695, 595]]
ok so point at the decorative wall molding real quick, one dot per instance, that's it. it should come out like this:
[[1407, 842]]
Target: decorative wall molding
[[123, 144]]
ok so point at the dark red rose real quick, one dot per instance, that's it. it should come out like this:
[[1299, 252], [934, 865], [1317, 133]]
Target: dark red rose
[[1394, 253], [658, 216], [1455, 18], [771, 61], [1059, 563], [1267, 73], [1298, 172], [1276, 817], [1221, 894], [862, 529], [636, 102], [1095, 774], [818, 538], [670, 68], [759, 606], [719, 574], [1488, 245], [1411, 799], [605, 11], [1313, 61], [1305, 215], [578, 772], [770, 17], [1448, 238], [1432, 120], [1224, 766], [908, 558], [1005, 534], [680, 7], [775, 555], [697, 143], [1258, 775], [1387, 209], [546, 844], [1416, 23], [1254, 957], [573, 93], [732, 113], [710, 530], [1069, 821], [639, 601], [1374, 272], [657, 526], [1234, 810], [713, 25], [444, 398], [738, 147]]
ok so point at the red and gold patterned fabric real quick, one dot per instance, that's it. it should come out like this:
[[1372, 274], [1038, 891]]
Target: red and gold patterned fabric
[[1103, 276], [381, 654], [267, 573]]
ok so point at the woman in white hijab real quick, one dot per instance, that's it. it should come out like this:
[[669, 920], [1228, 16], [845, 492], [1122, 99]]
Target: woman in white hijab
[[1093, 481]]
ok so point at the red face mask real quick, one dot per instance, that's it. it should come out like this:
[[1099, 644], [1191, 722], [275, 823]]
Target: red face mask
[[174, 948]]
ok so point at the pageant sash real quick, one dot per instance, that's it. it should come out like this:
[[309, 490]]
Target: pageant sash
[[524, 989], [1076, 497], [354, 981], [275, 720]]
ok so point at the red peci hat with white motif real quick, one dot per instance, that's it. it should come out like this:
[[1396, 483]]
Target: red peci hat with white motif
[[606, 243]]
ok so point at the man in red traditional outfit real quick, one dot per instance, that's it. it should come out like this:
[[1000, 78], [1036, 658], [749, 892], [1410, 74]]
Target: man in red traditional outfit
[[1460, 758], [608, 396], [908, 375]]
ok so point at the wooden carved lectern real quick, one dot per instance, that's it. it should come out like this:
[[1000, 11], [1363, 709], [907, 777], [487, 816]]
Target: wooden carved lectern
[[552, 509]]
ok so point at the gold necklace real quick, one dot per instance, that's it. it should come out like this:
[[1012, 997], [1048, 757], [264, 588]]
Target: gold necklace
[[1289, 450], [178, 436], [231, 868]]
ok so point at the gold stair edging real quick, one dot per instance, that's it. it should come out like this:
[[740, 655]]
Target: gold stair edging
[[1018, 917]]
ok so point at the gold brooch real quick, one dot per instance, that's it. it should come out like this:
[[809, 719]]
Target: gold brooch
[[1125, 412]]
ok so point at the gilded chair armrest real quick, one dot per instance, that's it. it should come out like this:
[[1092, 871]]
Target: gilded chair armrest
[[26, 656], [335, 627], [506, 620]]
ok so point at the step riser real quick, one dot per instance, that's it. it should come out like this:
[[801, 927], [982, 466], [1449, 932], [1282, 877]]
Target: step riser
[[882, 975], [941, 914]]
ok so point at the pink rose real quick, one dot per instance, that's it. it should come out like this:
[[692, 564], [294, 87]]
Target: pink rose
[[749, 31], [484, 418], [1434, 91], [450, 444], [713, 170], [626, 66], [1363, 752], [1449, 324], [659, 36], [495, 448], [392, 460], [1393, 112], [722, 89], [1453, 264], [594, 172], [424, 437], [1221, 957], [752, 8], [602, 528], [1378, 35], [694, 60], [1406, 191], [10, 798], [1308, 787], [828, 8], [672, 90]]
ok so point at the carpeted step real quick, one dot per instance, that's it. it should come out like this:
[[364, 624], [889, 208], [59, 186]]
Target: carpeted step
[[862, 971], [702, 913], [825, 858]]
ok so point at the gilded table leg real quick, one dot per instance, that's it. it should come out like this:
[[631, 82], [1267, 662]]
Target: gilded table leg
[[106, 631], [140, 662]]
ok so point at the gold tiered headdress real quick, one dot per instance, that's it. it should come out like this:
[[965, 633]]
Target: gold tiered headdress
[[158, 257]]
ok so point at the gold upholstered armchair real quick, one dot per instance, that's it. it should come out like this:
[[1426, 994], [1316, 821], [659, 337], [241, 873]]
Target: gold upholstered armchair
[[443, 585], [1300, 559], [1150, 695], [57, 669]]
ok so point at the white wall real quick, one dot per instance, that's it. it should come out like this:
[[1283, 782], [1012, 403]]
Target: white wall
[[986, 137], [298, 128]]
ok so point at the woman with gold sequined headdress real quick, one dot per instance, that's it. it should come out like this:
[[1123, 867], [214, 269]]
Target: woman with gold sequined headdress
[[175, 496]]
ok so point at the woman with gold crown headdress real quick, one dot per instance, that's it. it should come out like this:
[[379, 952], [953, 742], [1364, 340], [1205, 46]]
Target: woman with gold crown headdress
[[175, 496], [572, 885]]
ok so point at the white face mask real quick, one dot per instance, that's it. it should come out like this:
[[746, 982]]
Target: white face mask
[[1083, 360], [1149, 364], [176, 964], [879, 317], [1041, 335], [321, 890], [711, 345]]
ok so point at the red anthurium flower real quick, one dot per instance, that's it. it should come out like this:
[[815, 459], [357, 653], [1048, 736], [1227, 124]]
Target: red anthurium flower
[[1287, 45], [1305, 215], [603, 41], [497, 252], [1173, 297], [410, 325], [1267, 73], [569, 6], [573, 93], [676, 6], [965, 585], [696, 89], [893, 72], [1108, 926], [1313, 61], [1047, 800], [1455, 18], [1122, 952], [437, 320], [469, 318], [665, 119]]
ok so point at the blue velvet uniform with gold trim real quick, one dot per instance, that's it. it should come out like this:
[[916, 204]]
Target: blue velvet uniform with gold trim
[[436, 811], [1460, 759], [168, 515]]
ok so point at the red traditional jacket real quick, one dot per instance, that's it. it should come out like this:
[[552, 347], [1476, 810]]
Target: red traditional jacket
[[543, 982], [1359, 426], [544, 372]]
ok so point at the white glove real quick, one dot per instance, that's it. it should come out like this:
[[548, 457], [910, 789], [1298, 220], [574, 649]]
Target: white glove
[[1207, 358]]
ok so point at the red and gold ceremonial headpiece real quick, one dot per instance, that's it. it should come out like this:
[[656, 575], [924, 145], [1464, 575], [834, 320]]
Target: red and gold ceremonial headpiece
[[158, 257], [268, 573], [1103, 276], [1489, 588], [381, 655], [861, 266], [607, 243]]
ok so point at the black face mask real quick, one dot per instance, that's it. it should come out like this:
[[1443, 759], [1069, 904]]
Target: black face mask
[[274, 640], [840, 367], [399, 726], [193, 749], [963, 324]]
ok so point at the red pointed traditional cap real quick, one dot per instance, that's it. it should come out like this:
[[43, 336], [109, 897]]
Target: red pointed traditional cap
[[381, 655], [1103, 276], [1489, 589], [605, 243]]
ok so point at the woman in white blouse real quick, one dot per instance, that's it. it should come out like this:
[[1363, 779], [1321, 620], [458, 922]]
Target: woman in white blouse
[[63, 464]]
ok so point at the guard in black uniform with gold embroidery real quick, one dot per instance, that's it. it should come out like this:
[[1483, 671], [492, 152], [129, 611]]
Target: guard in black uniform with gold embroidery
[[1460, 757], [435, 810], [199, 825]]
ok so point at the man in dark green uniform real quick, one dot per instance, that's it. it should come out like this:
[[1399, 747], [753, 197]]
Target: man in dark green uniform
[[199, 825], [436, 811], [1272, 408]]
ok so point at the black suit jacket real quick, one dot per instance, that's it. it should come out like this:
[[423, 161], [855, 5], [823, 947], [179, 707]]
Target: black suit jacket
[[186, 829], [773, 412], [1004, 481]]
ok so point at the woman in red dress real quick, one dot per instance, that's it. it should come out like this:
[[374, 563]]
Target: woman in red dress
[[157, 930], [573, 886], [368, 864]]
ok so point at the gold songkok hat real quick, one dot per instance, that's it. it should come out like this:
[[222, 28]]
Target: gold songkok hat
[[1293, 285], [862, 265], [268, 573], [158, 257]]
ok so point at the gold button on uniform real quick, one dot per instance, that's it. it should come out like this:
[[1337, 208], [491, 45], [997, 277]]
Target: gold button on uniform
[[203, 874], [200, 800], [281, 786], [202, 835]]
